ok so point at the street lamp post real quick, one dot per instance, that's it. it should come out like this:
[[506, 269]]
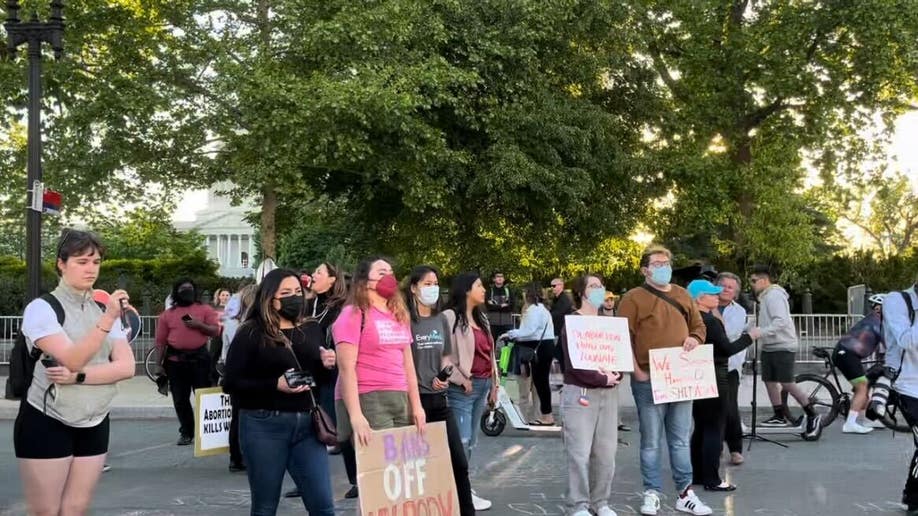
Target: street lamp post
[[34, 33]]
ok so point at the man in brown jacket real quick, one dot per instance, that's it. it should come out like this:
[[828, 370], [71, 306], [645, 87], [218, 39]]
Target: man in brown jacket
[[661, 315]]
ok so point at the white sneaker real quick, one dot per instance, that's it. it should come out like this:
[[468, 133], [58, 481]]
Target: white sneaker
[[651, 503], [692, 505], [480, 503], [582, 512], [745, 428], [855, 428], [605, 510]]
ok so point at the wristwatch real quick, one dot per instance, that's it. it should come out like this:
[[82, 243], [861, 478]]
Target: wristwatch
[[81, 377]]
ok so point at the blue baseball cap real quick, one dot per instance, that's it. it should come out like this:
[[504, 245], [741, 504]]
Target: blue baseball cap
[[700, 287]]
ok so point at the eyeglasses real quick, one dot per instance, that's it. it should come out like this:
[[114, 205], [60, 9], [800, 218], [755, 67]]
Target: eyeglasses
[[657, 265]]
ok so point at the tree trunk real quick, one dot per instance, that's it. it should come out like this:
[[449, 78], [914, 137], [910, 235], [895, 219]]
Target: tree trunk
[[268, 229], [268, 193]]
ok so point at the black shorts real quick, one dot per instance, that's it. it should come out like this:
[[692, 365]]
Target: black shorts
[[37, 436], [778, 366], [849, 364]]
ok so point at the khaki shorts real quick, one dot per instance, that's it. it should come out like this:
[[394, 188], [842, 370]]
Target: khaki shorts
[[778, 366], [383, 410]]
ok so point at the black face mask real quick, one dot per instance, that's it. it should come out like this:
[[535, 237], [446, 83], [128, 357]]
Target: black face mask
[[291, 307], [184, 297]]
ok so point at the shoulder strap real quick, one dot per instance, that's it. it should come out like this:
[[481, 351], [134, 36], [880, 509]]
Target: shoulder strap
[[669, 300], [908, 304], [56, 306]]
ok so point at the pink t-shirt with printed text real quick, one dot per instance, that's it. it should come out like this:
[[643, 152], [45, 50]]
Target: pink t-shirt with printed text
[[380, 349]]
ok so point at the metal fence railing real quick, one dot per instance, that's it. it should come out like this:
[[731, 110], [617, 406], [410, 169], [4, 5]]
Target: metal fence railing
[[813, 330]]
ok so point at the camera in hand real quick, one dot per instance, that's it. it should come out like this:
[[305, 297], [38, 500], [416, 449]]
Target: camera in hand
[[48, 361], [877, 406], [299, 378], [445, 373]]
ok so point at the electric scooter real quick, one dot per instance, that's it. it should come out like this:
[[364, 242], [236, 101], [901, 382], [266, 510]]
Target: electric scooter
[[495, 419]]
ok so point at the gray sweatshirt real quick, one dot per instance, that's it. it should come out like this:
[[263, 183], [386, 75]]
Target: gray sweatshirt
[[778, 332]]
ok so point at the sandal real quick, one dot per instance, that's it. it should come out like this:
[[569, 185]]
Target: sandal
[[539, 422]]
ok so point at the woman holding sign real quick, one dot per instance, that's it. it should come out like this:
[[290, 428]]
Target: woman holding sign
[[431, 348], [377, 383], [589, 403], [273, 364], [710, 414]]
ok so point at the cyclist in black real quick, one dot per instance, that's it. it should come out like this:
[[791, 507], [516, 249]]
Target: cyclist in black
[[863, 339]]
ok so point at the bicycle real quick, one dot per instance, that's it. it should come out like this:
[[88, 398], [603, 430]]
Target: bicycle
[[831, 400], [151, 364]]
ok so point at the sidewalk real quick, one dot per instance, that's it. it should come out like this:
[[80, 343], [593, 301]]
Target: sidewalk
[[137, 398]]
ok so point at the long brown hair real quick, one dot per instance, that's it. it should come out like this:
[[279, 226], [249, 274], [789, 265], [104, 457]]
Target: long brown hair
[[262, 315], [337, 295], [358, 296]]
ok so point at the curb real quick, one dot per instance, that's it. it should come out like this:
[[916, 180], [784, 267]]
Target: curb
[[10, 409]]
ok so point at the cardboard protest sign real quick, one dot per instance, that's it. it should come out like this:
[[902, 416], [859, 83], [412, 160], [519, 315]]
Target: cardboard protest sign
[[404, 473], [677, 375], [213, 413], [595, 342]]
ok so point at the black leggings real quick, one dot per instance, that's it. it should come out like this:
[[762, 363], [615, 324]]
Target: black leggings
[[541, 369], [909, 408], [708, 437], [437, 409]]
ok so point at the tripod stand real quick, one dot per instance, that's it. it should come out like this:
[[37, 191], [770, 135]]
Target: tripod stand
[[753, 435]]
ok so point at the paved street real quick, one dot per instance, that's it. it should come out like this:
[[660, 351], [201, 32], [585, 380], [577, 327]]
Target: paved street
[[523, 474]]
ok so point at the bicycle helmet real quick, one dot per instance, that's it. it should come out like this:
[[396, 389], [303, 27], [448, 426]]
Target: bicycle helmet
[[876, 299]]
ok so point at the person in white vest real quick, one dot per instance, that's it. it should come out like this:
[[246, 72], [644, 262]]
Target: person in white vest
[[61, 433]]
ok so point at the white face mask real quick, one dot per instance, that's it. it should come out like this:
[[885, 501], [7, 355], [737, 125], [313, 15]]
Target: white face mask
[[429, 295]]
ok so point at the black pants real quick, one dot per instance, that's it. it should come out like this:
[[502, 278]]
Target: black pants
[[437, 409], [541, 369], [909, 408], [185, 375], [235, 449], [708, 436], [733, 432]]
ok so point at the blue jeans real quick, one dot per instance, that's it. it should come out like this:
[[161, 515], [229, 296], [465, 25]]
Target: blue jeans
[[468, 409], [676, 420], [274, 442]]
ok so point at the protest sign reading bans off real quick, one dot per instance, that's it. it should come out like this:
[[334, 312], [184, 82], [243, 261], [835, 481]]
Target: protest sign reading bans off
[[595, 342], [213, 412], [677, 375], [403, 473]]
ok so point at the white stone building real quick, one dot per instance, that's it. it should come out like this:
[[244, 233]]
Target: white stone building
[[228, 238]]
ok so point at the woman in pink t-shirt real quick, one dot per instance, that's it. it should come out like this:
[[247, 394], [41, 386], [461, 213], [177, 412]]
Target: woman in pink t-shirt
[[377, 383]]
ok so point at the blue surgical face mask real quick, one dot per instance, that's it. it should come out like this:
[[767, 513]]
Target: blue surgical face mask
[[661, 275], [429, 295], [596, 296]]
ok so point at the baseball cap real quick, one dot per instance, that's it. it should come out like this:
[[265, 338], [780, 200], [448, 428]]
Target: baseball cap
[[698, 288]]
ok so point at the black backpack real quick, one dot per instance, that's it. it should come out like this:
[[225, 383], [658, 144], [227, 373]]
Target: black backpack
[[22, 361]]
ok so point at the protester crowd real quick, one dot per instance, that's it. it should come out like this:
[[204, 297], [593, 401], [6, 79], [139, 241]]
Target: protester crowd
[[369, 353]]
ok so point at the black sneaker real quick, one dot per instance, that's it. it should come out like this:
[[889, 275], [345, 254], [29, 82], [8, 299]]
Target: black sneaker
[[236, 467], [293, 493], [813, 427], [352, 492], [775, 421], [185, 440]]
